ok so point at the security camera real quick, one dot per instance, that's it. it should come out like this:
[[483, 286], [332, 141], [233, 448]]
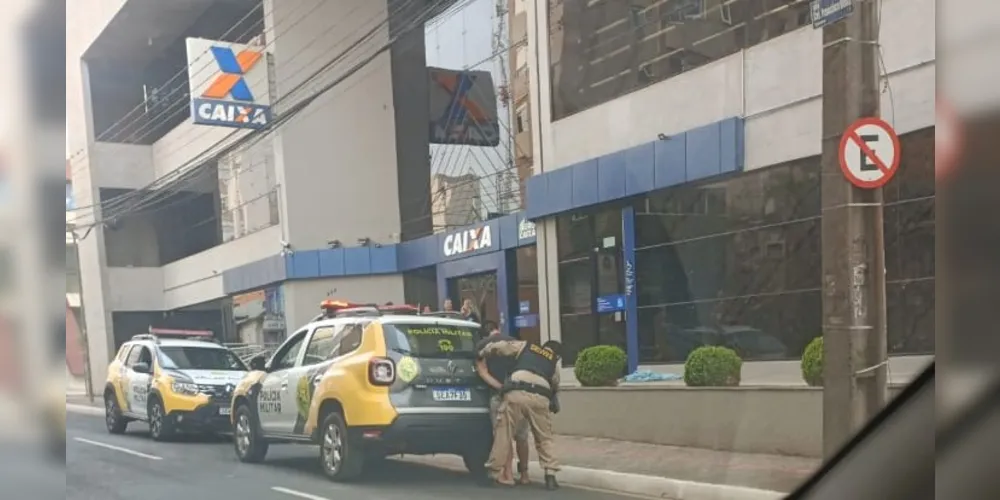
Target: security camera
[[286, 245]]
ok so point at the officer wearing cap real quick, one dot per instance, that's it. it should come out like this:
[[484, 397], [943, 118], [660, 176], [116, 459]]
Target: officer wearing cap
[[528, 395]]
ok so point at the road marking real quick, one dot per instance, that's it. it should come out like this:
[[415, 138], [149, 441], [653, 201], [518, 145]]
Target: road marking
[[299, 494], [84, 409], [118, 448]]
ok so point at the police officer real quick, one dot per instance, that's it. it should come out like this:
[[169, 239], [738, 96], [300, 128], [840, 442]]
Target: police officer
[[494, 372], [528, 395]]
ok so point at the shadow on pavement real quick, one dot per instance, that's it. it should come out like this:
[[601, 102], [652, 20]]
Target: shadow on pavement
[[387, 473]]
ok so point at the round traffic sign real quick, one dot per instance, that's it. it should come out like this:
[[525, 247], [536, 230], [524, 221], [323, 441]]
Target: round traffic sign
[[869, 153]]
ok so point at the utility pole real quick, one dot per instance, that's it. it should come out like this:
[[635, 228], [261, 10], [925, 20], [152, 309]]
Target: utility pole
[[84, 340], [854, 304]]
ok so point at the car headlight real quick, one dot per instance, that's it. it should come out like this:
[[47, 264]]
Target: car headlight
[[185, 388]]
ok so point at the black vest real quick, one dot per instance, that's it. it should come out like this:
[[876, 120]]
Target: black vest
[[537, 360]]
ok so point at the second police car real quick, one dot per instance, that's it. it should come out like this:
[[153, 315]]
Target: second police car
[[173, 379], [366, 382]]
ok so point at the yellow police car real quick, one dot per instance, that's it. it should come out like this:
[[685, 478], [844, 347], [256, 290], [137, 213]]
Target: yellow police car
[[175, 380], [366, 382]]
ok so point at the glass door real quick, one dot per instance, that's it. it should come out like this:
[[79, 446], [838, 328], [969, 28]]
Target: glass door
[[609, 287]]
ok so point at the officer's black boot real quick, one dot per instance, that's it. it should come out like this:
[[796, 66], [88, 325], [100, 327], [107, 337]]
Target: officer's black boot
[[551, 483]]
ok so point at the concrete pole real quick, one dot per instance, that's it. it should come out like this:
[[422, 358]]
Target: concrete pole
[[854, 308]]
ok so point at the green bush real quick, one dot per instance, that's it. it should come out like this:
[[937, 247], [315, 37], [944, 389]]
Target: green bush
[[713, 366], [599, 366], [812, 362]]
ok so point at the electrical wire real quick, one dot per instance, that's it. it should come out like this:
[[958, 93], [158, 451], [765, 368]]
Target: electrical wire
[[170, 177], [301, 105]]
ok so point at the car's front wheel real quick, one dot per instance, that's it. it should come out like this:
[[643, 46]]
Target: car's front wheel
[[339, 459], [160, 426], [250, 445]]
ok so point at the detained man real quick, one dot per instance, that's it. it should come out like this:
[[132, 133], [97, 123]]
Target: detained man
[[494, 372]]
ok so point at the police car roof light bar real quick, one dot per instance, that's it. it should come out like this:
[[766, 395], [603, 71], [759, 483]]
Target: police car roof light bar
[[444, 314]]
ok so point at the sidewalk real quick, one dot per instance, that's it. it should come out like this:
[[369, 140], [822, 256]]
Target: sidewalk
[[667, 472], [762, 472]]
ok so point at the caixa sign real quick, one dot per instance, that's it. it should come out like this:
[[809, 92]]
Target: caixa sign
[[229, 114], [468, 241]]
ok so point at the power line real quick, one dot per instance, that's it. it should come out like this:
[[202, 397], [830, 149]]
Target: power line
[[182, 170], [301, 105]]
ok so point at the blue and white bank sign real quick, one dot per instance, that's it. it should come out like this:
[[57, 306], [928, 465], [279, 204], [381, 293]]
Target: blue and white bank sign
[[826, 12], [229, 84]]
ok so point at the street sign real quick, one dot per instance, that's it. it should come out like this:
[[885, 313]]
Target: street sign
[[869, 153], [826, 12]]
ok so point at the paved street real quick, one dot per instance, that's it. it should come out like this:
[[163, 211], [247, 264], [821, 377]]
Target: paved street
[[106, 467]]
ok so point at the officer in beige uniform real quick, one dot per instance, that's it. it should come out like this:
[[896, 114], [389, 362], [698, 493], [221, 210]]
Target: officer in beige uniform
[[528, 395], [494, 372]]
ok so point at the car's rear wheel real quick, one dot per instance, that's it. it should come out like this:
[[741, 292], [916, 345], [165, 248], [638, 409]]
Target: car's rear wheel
[[113, 418], [475, 461], [250, 445], [340, 459], [160, 426]]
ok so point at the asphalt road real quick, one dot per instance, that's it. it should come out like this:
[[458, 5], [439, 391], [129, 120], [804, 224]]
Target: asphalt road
[[106, 467]]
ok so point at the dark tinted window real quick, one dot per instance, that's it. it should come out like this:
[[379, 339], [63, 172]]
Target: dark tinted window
[[200, 358], [431, 341], [601, 50]]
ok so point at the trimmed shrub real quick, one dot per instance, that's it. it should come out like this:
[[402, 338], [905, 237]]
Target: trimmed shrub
[[599, 366], [713, 366], [812, 363]]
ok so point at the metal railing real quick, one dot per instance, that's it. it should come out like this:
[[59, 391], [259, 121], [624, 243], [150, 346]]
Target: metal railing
[[246, 352]]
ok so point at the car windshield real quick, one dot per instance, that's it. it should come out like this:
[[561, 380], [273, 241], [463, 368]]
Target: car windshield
[[432, 341], [200, 358]]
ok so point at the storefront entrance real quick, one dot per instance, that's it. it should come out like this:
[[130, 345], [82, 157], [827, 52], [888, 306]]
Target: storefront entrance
[[481, 289], [591, 275]]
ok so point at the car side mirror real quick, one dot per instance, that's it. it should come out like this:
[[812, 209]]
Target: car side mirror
[[258, 363], [141, 368]]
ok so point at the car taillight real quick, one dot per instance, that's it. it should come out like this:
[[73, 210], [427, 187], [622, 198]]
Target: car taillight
[[381, 371]]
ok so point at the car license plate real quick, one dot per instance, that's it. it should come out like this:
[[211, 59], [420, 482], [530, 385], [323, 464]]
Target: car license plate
[[451, 394], [224, 411]]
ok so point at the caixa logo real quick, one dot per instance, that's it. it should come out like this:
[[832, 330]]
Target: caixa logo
[[228, 100], [209, 112], [468, 241]]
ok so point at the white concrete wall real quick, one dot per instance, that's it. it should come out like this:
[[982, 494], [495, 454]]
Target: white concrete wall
[[302, 298], [135, 289], [776, 86], [343, 142], [198, 278], [186, 142], [126, 166]]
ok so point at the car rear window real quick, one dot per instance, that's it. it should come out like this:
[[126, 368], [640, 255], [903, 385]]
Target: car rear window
[[431, 341]]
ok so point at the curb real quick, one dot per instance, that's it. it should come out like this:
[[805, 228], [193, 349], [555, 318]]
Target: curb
[[84, 409], [630, 484]]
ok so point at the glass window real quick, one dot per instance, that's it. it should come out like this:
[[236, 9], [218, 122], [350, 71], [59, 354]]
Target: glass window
[[351, 340], [576, 287], [322, 345], [575, 234], [199, 358], [133, 356], [734, 262], [910, 232], [431, 341], [288, 354], [603, 50], [579, 331], [527, 294]]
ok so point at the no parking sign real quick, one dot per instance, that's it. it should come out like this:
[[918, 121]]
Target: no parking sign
[[869, 153]]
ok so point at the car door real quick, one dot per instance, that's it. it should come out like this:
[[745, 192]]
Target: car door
[[138, 383], [271, 408], [124, 376], [317, 356]]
